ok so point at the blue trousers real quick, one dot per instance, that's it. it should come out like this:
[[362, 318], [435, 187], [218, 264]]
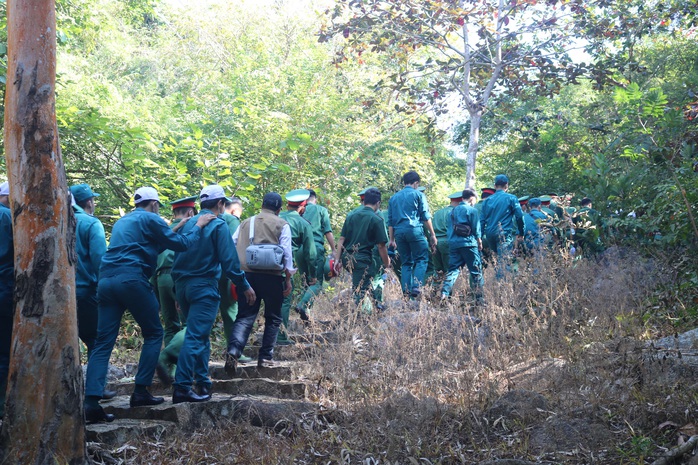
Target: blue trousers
[[269, 288], [199, 300], [457, 259], [115, 294], [6, 321], [414, 253], [88, 317], [503, 246]]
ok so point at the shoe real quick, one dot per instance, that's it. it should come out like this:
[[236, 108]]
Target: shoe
[[265, 363], [244, 359], [303, 314], [108, 394], [142, 400], [180, 395], [163, 375], [205, 390], [97, 415], [231, 364]]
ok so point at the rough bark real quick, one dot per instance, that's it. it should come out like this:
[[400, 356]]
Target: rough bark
[[43, 421]]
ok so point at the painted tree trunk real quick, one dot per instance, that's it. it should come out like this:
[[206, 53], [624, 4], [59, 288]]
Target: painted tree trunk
[[43, 421], [473, 146]]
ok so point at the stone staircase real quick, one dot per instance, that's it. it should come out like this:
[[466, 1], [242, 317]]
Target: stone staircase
[[268, 397]]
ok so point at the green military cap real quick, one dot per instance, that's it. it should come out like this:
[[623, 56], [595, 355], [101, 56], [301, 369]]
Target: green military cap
[[524, 200], [545, 198], [363, 191], [456, 195], [297, 197], [185, 202], [421, 188]]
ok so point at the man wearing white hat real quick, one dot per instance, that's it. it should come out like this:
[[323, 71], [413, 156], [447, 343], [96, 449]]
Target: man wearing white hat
[[196, 273], [7, 284], [124, 275]]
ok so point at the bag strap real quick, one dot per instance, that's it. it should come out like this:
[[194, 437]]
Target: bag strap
[[252, 229]]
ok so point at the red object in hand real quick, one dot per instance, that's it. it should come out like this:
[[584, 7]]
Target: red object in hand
[[233, 292]]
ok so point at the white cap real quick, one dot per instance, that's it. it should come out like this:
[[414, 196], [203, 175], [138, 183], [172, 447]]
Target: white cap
[[145, 193], [213, 192], [5, 188]]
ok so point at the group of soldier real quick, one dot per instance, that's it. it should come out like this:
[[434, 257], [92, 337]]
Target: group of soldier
[[182, 274]]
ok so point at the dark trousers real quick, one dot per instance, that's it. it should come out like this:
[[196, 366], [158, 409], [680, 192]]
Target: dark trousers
[[6, 321], [116, 294], [269, 288], [88, 317]]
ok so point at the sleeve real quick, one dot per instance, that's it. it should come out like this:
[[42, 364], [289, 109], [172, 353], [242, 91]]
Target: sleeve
[[236, 235], [475, 223], [424, 213], [518, 213], [309, 243], [285, 243], [379, 231], [390, 213], [228, 255], [98, 245], [170, 240], [325, 225]]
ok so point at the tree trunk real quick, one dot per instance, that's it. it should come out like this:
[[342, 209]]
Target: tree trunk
[[44, 421], [473, 146]]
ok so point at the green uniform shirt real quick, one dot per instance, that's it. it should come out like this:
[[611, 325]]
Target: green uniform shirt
[[440, 222], [301, 237], [319, 219], [361, 232], [232, 221], [166, 258], [90, 246]]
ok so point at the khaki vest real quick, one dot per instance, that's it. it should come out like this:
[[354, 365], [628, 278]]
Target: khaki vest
[[267, 230]]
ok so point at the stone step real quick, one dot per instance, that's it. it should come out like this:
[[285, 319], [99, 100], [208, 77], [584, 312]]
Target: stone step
[[124, 430], [297, 351], [236, 386], [281, 371], [260, 411]]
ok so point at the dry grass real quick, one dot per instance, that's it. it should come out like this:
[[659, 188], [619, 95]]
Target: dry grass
[[410, 386]]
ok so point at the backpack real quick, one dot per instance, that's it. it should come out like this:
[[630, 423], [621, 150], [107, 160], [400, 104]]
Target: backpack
[[460, 229], [263, 257]]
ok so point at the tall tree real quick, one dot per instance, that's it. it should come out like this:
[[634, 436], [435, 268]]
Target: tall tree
[[43, 421], [474, 49]]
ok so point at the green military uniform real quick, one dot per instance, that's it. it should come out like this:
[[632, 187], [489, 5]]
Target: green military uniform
[[361, 232], [440, 222], [303, 247], [171, 319], [228, 306], [319, 219]]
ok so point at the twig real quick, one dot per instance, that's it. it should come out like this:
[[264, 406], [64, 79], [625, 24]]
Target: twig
[[677, 452]]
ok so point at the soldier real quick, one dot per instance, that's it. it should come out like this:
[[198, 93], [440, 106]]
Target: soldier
[[440, 221], [124, 275], [304, 250], [229, 304], [464, 246], [523, 202], [498, 215], [7, 285], [361, 232], [319, 219], [183, 209], [545, 208], [271, 286], [535, 237], [408, 212], [196, 273]]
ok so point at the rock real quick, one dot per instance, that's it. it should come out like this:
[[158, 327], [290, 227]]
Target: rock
[[519, 405], [564, 434], [685, 341], [124, 430]]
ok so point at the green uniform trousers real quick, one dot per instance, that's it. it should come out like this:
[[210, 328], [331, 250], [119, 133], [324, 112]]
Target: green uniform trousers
[[441, 255], [312, 291], [172, 321], [228, 307]]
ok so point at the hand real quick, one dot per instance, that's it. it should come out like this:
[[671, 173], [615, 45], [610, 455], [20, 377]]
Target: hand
[[287, 288], [433, 241], [337, 265], [206, 219], [479, 245], [392, 245], [250, 296]]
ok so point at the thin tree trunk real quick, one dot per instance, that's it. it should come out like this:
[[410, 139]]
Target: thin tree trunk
[[43, 421], [473, 146]]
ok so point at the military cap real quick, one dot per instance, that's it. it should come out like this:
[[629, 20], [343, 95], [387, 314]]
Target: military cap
[[82, 192], [297, 197], [534, 202], [501, 179], [524, 200], [545, 199], [488, 190], [553, 194], [571, 210], [185, 202], [456, 195]]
